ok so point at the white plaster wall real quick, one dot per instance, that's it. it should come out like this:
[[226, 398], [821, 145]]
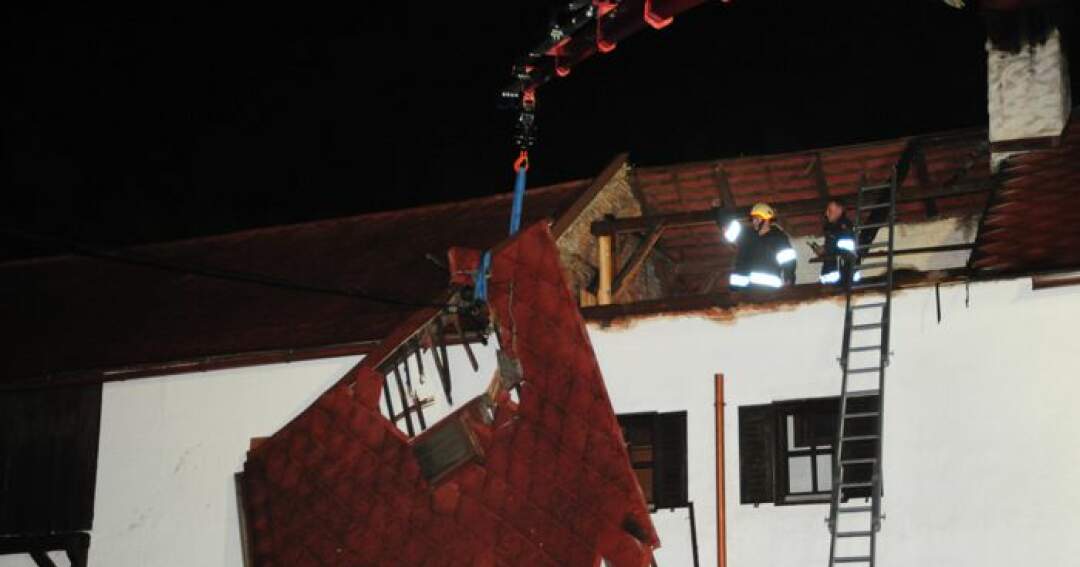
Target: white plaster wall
[[170, 446], [982, 463]]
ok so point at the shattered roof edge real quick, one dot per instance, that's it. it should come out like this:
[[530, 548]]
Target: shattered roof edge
[[719, 304]]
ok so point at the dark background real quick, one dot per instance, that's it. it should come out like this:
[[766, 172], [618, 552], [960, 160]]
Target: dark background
[[146, 123]]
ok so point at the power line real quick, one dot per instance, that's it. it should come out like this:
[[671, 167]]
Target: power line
[[226, 275]]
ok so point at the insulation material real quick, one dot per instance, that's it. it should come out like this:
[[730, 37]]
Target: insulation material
[[548, 483]]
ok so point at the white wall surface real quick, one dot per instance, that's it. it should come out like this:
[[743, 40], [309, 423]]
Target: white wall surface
[[982, 462], [170, 446], [981, 455]]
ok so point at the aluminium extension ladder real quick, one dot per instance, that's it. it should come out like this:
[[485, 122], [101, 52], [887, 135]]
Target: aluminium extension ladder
[[856, 472]]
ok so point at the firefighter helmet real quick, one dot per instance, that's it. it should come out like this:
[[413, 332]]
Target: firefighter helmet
[[763, 211]]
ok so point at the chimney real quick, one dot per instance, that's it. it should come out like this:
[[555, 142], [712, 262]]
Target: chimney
[[1029, 98]]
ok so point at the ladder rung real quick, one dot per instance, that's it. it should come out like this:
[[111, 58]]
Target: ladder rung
[[874, 266], [875, 187], [864, 348], [863, 393], [866, 370], [866, 326], [860, 438], [870, 285], [877, 206], [868, 305], [861, 414], [869, 226], [854, 534], [872, 245], [855, 509], [858, 461], [853, 559]]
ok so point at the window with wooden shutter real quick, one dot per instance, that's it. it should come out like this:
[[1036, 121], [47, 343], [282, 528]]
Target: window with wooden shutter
[[786, 450], [757, 458], [656, 443]]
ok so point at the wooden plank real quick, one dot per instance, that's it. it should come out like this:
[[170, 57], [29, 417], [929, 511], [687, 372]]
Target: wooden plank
[[598, 183], [636, 260], [604, 261]]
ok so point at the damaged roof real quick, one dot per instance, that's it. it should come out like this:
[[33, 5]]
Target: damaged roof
[[949, 176], [549, 481], [1032, 223]]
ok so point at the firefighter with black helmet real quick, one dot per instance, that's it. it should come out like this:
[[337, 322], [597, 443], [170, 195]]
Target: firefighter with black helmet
[[765, 258]]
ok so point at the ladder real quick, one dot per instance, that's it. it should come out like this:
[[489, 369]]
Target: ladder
[[857, 462]]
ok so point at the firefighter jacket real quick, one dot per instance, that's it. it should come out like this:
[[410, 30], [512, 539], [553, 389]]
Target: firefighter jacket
[[839, 243], [763, 260]]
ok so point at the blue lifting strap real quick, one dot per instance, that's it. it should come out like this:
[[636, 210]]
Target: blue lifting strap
[[521, 166], [519, 200]]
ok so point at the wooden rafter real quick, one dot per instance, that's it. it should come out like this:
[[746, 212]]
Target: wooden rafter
[[727, 200], [637, 259]]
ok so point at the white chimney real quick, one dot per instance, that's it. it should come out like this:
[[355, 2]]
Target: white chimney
[[1029, 99]]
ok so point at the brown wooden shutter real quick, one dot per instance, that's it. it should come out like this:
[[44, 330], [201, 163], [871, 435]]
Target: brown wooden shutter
[[670, 469], [757, 459], [48, 459]]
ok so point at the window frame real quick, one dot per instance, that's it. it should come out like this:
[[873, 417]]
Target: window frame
[[782, 495], [764, 452]]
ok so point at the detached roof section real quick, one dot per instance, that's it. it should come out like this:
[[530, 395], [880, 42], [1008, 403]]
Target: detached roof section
[[949, 176], [546, 481], [92, 317], [1033, 221]]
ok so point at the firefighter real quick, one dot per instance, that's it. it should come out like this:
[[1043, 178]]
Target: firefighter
[[839, 250], [765, 259]]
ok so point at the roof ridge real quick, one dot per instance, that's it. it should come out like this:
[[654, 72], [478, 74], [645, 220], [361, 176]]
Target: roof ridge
[[152, 246], [957, 132]]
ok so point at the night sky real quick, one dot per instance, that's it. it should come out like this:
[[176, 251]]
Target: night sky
[[146, 123]]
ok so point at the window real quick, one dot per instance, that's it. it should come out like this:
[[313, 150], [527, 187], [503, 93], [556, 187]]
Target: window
[[656, 443], [786, 450], [806, 434]]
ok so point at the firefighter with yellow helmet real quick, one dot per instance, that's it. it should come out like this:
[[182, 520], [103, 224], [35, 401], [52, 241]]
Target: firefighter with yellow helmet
[[765, 259]]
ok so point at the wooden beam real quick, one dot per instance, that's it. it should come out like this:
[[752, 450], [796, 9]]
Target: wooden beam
[[603, 261], [907, 251], [637, 259], [819, 178], [598, 183], [1047, 282], [793, 208], [727, 200]]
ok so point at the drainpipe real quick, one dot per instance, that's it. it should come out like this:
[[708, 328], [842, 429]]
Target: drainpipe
[[721, 527]]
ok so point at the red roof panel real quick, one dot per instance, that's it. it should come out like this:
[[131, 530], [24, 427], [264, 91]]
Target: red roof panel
[[339, 485]]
